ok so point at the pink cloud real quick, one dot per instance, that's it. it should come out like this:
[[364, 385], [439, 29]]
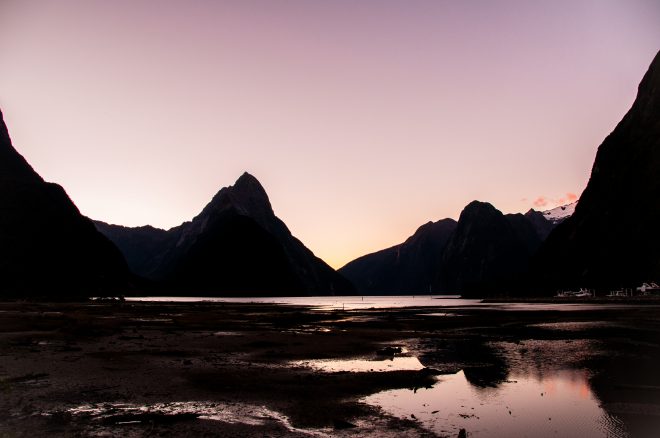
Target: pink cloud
[[571, 197], [541, 201]]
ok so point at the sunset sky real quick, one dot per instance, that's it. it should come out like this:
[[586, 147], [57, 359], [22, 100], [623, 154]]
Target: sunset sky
[[362, 119]]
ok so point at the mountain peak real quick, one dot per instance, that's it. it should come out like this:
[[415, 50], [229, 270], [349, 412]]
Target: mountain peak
[[247, 197], [476, 209]]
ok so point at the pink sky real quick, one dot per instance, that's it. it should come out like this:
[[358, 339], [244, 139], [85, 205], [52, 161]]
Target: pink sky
[[363, 120]]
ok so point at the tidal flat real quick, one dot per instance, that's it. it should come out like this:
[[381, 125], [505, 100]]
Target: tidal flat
[[261, 369]]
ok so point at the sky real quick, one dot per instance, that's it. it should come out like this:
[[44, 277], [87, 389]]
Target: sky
[[362, 119]]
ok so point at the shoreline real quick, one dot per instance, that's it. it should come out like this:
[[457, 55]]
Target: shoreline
[[236, 369]]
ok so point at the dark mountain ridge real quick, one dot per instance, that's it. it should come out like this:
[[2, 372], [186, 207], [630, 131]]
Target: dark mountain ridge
[[407, 268], [48, 249], [488, 250], [484, 251], [598, 246]]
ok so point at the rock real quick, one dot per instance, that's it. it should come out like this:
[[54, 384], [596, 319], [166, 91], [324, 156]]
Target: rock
[[342, 424], [389, 351]]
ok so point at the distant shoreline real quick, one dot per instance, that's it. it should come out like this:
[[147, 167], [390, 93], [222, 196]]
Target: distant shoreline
[[577, 300]]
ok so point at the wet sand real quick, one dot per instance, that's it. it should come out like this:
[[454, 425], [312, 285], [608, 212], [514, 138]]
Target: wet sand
[[231, 369]]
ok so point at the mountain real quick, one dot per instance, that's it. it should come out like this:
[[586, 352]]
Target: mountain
[[484, 252], [541, 222], [235, 246], [140, 245], [488, 250], [47, 248], [613, 238], [407, 268], [559, 214]]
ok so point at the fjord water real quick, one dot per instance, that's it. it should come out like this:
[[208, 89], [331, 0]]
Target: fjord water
[[333, 302]]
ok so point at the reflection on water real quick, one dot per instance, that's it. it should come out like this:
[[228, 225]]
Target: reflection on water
[[343, 302], [384, 302], [124, 414], [360, 365], [557, 405]]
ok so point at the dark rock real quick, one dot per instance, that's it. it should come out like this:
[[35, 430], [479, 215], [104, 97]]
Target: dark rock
[[342, 424], [389, 351]]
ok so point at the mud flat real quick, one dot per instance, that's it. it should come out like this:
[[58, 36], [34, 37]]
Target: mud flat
[[240, 369]]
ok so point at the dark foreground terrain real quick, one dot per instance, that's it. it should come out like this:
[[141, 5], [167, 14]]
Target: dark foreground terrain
[[209, 369]]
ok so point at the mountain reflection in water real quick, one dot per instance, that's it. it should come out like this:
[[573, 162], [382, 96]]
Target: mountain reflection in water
[[560, 403]]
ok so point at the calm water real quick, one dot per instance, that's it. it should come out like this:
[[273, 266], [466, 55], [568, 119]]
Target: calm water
[[383, 302], [344, 302], [560, 404]]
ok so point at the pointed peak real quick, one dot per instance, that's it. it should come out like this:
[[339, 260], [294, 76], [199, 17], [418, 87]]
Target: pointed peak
[[248, 187], [246, 197], [246, 178]]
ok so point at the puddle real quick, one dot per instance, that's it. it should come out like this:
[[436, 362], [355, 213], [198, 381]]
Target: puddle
[[124, 414], [555, 405], [380, 364]]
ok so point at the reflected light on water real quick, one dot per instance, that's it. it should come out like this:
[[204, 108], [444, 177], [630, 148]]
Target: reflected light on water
[[360, 365], [560, 404]]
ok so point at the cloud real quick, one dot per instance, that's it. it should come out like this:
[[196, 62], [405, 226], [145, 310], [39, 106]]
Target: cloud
[[541, 201], [544, 201]]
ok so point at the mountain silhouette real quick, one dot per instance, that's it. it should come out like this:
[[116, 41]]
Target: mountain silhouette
[[613, 238], [483, 253], [488, 250], [48, 249], [235, 246], [407, 268]]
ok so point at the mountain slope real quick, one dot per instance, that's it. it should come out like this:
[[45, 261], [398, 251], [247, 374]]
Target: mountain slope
[[598, 246], [235, 246], [47, 248], [487, 251], [407, 268], [559, 214]]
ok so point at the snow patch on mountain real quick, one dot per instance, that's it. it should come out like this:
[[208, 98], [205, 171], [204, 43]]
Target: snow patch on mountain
[[561, 213]]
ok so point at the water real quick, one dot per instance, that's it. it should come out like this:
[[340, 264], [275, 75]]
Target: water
[[332, 302], [363, 365], [559, 404], [385, 302]]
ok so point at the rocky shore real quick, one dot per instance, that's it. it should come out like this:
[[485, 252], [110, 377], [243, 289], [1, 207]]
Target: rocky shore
[[209, 369]]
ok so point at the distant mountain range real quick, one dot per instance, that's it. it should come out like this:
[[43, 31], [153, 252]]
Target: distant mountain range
[[48, 250], [235, 246], [609, 239], [484, 249]]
